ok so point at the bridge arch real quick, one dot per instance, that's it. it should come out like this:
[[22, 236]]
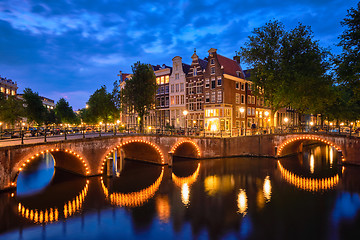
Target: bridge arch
[[186, 148], [135, 149], [293, 144], [62, 157]]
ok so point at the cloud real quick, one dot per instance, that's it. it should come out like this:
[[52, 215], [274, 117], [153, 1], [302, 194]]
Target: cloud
[[77, 46]]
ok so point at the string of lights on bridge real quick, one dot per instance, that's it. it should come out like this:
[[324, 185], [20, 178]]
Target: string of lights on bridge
[[23, 165], [316, 138], [128, 142]]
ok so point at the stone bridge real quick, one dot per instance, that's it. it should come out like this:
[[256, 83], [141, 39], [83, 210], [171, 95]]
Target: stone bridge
[[87, 157]]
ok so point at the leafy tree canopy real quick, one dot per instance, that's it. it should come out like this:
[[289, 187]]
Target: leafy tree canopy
[[34, 109], [64, 112], [139, 91]]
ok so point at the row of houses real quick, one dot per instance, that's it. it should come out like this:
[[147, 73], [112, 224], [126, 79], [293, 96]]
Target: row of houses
[[213, 93]]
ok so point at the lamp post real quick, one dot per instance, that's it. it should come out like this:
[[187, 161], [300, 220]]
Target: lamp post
[[242, 110], [286, 120], [185, 112], [266, 113]]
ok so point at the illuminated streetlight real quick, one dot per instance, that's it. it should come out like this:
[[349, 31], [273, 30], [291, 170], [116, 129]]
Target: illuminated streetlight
[[185, 112], [311, 123], [242, 109], [118, 121], [266, 113], [86, 106], [286, 119]]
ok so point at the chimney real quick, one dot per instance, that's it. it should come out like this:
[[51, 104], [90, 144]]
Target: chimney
[[237, 57]]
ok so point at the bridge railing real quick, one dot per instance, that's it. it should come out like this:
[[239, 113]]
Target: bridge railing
[[31, 135]]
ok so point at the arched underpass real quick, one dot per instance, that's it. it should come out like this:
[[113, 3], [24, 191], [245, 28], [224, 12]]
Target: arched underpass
[[186, 149], [295, 145], [65, 160]]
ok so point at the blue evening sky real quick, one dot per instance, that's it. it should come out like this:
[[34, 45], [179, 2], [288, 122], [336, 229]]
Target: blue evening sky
[[68, 48]]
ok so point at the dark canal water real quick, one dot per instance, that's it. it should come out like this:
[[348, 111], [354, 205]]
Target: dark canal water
[[308, 196]]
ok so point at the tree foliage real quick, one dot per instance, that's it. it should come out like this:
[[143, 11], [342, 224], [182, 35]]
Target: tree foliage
[[34, 109], [139, 91], [11, 109], [348, 66], [64, 112], [288, 68], [101, 107]]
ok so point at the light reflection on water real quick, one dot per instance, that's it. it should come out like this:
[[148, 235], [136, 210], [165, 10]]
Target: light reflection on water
[[235, 198], [36, 176]]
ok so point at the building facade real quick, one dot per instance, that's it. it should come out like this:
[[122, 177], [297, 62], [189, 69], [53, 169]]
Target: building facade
[[195, 93], [8, 87], [177, 93], [162, 98]]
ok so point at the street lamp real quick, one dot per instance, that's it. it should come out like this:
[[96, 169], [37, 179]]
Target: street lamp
[[242, 110], [185, 113]]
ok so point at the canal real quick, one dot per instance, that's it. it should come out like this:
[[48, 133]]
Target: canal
[[305, 196]]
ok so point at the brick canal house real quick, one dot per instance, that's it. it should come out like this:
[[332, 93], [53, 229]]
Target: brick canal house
[[178, 92], [162, 104], [195, 93]]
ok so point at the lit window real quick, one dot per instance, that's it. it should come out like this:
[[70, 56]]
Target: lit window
[[162, 80], [213, 96], [181, 87], [237, 98], [207, 97], [219, 96], [167, 79], [207, 83], [158, 80], [172, 100]]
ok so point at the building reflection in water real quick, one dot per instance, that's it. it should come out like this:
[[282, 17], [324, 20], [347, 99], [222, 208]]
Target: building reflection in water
[[185, 183], [267, 189], [242, 202]]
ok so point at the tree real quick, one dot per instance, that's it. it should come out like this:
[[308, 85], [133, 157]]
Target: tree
[[139, 91], [288, 67], [348, 64], [34, 108], [101, 106], [64, 112], [304, 66], [263, 52], [11, 109]]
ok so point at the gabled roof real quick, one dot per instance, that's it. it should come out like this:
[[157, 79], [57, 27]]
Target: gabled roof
[[186, 68], [203, 63], [231, 67]]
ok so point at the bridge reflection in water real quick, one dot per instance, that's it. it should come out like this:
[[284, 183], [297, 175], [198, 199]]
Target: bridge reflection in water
[[219, 199]]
